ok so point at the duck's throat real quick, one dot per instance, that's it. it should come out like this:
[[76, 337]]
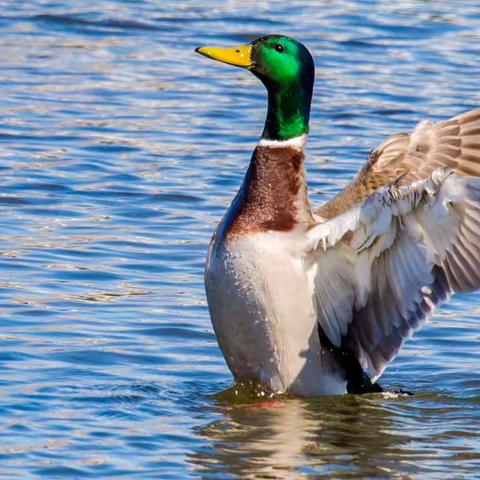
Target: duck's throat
[[288, 110]]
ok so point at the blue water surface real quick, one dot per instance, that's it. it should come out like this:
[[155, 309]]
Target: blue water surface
[[120, 150]]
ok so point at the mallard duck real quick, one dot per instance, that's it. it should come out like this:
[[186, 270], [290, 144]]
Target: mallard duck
[[319, 301]]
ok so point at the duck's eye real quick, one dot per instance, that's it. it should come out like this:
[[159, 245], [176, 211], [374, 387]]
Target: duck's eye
[[278, 47]]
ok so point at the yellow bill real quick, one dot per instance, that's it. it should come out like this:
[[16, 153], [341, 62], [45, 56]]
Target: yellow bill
[[238, 56]]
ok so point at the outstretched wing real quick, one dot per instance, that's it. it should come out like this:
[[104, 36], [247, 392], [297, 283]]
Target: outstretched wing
[[381, 268], [404, 158]]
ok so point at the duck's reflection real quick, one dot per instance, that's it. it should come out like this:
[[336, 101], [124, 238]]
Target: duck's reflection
[[331, 437]]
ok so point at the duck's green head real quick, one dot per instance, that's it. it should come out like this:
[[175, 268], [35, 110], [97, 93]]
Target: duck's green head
[[286, 68]]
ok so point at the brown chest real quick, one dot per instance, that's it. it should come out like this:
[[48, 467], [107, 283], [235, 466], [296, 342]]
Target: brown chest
[[273, 195]]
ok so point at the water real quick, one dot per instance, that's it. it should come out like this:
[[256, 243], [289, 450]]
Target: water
[[120, 150]]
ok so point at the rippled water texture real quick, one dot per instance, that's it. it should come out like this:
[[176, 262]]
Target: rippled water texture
[[120, 150]]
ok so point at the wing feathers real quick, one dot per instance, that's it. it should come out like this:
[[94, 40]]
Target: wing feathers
[[453, 143], [412, 232], [409, 249], [334, 293]]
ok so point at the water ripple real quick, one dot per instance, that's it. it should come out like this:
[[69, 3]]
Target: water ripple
[[120, 151]]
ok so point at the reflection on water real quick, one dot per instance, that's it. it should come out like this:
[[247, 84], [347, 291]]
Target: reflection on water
[[120, 150], [379, 436]]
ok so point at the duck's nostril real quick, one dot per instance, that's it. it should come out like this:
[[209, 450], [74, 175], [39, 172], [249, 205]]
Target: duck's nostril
[[238, 51]]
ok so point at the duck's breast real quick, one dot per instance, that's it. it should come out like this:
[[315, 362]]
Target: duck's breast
[[260, 300]]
